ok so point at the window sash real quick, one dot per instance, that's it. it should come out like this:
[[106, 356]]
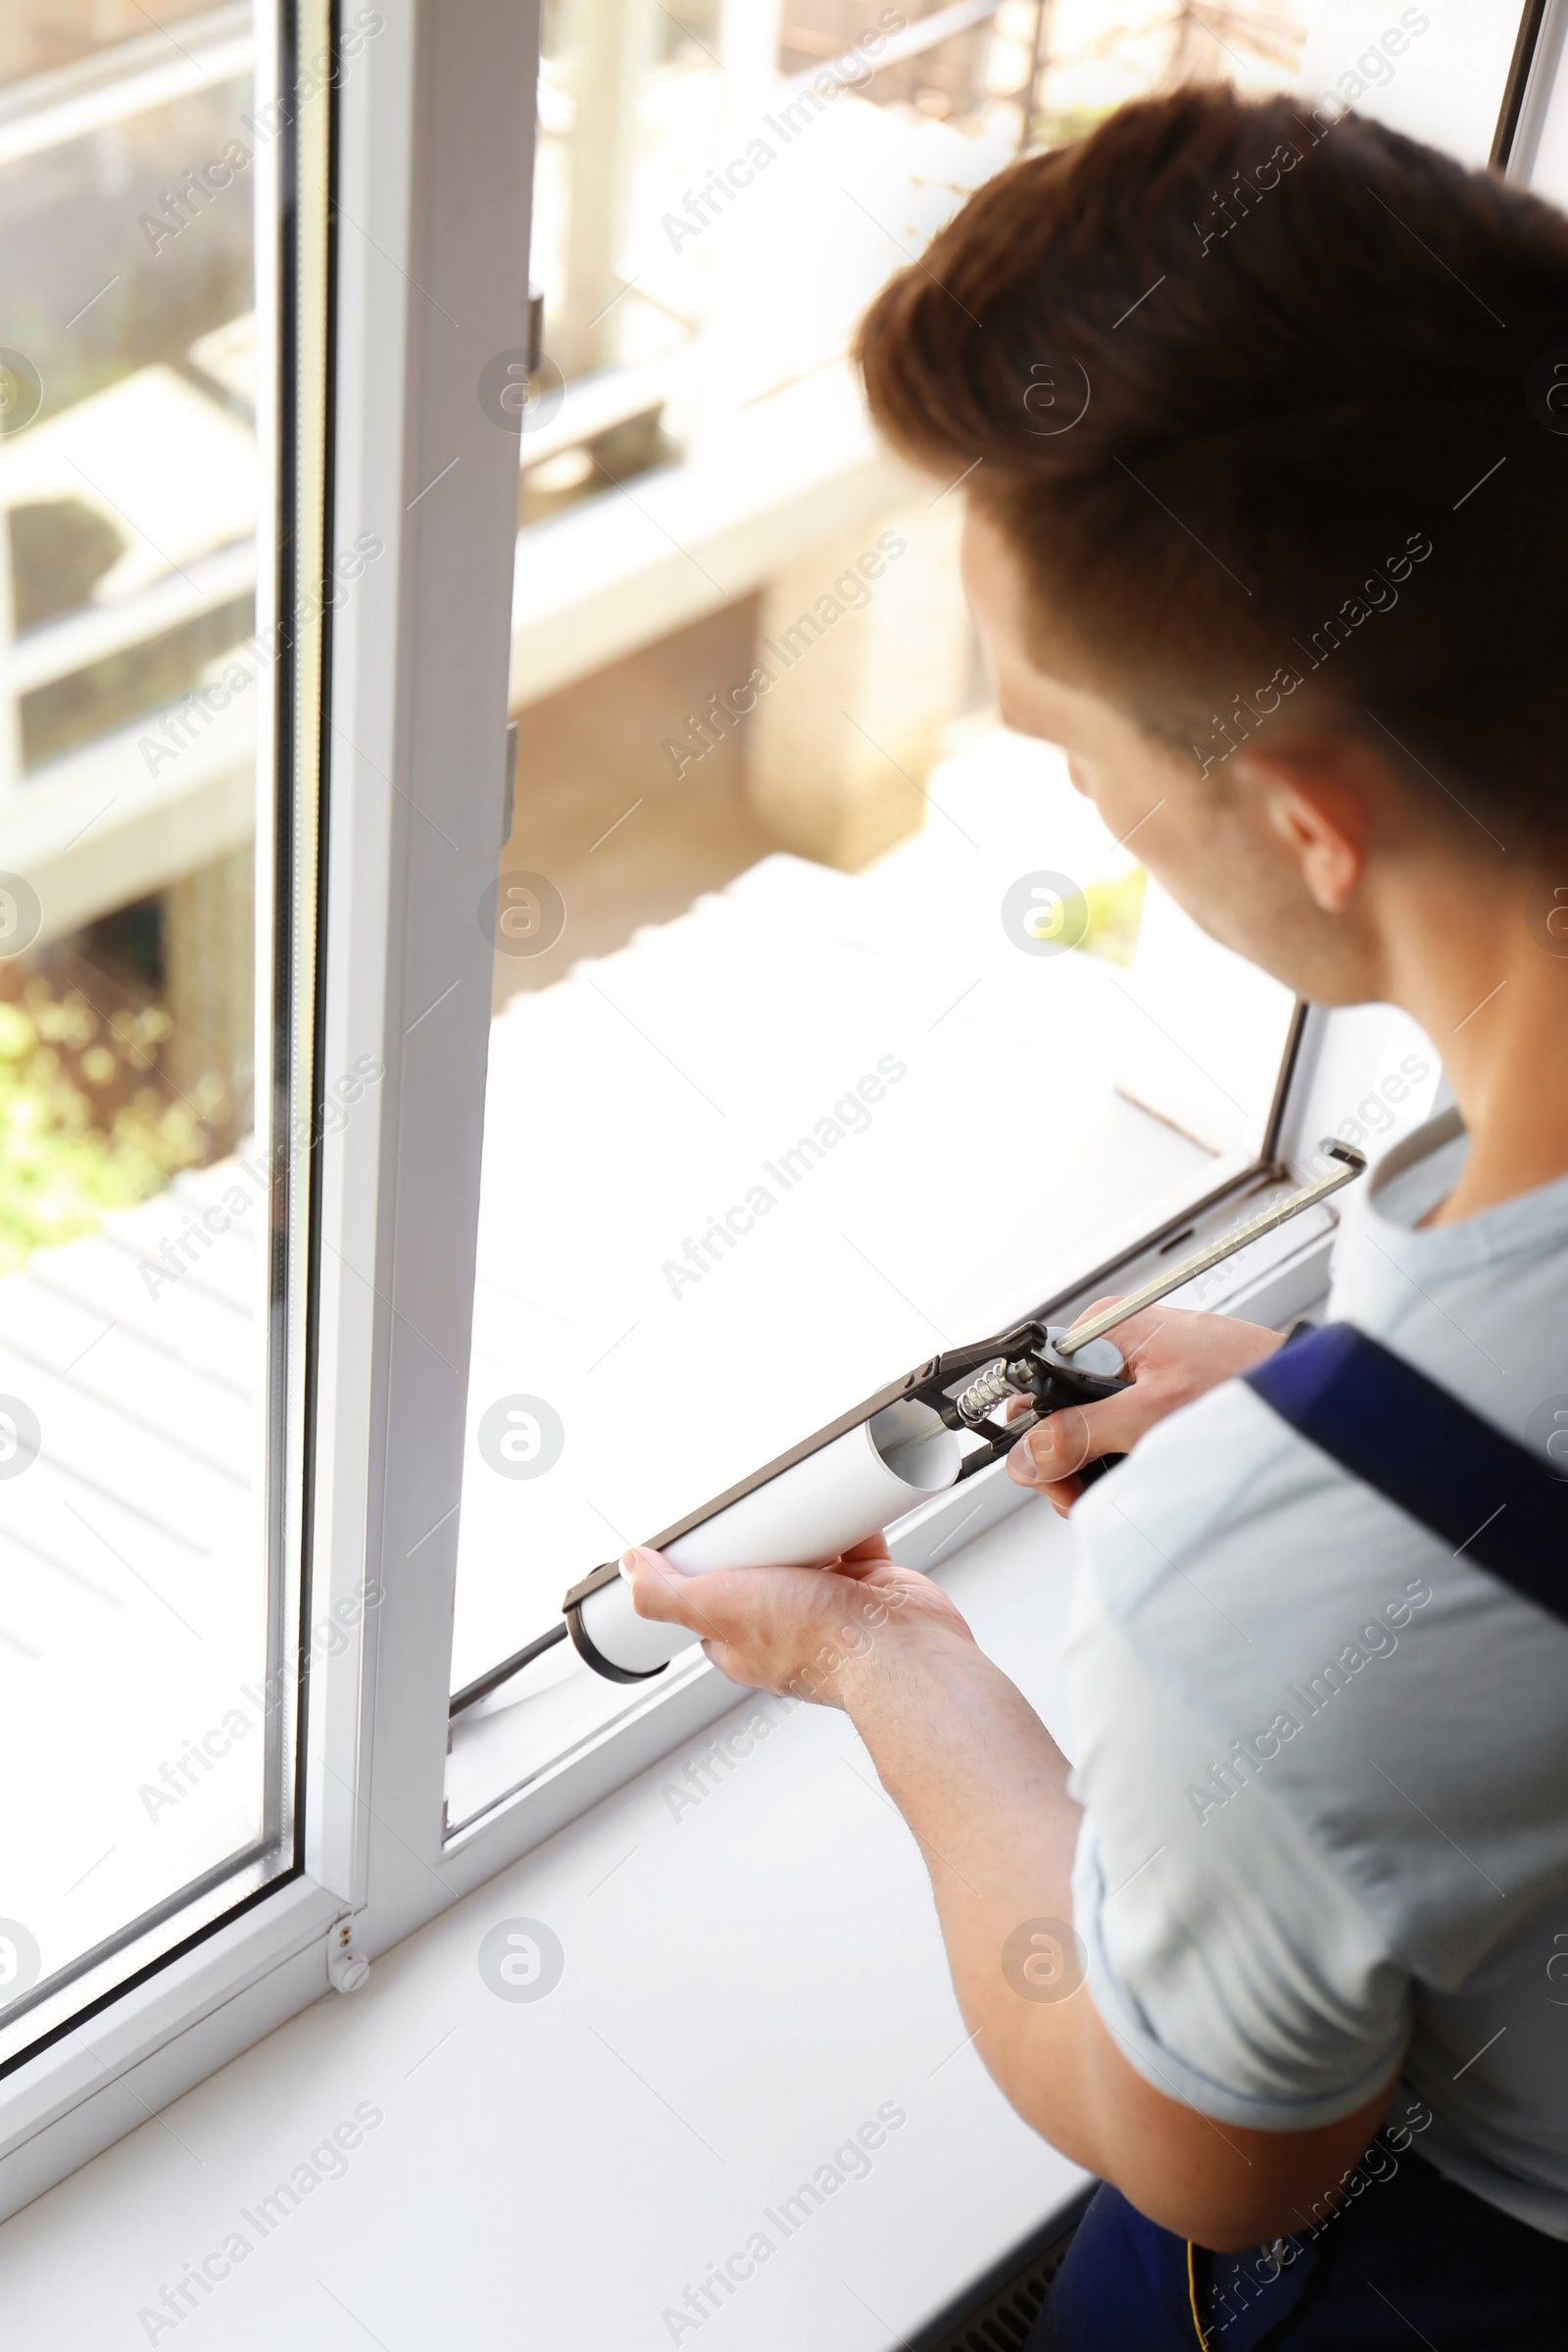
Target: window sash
[[290, 197], [129, 2002]]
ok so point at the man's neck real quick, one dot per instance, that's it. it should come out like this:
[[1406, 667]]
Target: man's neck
[[1480, 976]]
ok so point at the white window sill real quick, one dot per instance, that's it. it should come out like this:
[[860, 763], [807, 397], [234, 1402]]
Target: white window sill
[[749, 1977]]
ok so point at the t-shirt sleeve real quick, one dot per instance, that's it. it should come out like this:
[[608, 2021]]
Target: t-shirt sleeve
[[1236, 1971]]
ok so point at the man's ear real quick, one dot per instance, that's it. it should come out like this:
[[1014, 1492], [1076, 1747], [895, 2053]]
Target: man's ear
[[1317, 798]]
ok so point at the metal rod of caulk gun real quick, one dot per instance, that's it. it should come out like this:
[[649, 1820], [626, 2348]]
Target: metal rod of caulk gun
[[1352, 1163]]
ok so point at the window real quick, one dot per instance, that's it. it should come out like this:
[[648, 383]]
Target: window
[[155, 999], [831, 1028], [778, 913]]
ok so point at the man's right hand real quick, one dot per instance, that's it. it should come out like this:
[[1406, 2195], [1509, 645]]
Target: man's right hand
[[1172, 1355]]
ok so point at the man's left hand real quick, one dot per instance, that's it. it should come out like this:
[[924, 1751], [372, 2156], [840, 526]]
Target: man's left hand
[[800, 1630]]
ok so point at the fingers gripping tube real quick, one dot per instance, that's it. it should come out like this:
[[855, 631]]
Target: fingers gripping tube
[[817, 1507]]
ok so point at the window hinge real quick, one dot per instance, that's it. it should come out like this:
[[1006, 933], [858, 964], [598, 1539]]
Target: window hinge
[[346, 1967]]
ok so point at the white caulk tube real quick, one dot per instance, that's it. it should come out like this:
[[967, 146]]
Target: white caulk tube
[[845, 1492]]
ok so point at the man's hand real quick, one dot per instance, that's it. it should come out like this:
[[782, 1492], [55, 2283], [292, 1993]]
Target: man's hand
[[1173, 1356], [803, 1629]]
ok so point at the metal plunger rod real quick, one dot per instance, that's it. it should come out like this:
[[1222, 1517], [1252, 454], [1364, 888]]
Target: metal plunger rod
[[1353, 1163]]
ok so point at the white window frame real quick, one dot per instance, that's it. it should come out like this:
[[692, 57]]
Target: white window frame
[[433, 173]]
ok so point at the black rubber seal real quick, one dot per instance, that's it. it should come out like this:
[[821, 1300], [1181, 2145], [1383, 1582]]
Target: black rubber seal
[[595, 1658]]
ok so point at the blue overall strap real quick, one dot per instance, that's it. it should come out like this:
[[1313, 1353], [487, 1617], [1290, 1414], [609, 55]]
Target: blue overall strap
[[1483, 1494]]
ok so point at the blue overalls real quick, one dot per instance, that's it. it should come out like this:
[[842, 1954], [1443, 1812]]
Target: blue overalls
[[1417, 2259]]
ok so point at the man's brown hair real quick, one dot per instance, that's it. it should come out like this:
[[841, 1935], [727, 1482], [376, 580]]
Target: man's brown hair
[[1272, 406]]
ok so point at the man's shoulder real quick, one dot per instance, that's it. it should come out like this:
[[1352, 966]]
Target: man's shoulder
[[1331, 1646]]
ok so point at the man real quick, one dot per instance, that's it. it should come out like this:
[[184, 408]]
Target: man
[[1267, 520]]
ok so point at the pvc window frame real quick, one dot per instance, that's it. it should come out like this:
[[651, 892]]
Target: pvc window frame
[[432, 150], [428, 164]]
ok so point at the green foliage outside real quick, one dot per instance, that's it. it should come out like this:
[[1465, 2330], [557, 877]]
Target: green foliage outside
[[65, 1162], [1115, 909]]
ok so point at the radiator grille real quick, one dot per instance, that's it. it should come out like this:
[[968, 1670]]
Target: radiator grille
[[998, 2312]]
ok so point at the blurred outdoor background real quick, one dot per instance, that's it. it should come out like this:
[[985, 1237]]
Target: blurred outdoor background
[[711, 358], [128, 508], [709, 362]]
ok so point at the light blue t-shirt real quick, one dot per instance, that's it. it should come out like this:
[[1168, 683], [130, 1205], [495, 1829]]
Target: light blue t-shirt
[[1324, 1760]]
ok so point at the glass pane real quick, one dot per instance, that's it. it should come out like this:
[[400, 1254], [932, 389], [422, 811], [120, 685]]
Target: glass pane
[[136, 1197], [831, 1028]]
